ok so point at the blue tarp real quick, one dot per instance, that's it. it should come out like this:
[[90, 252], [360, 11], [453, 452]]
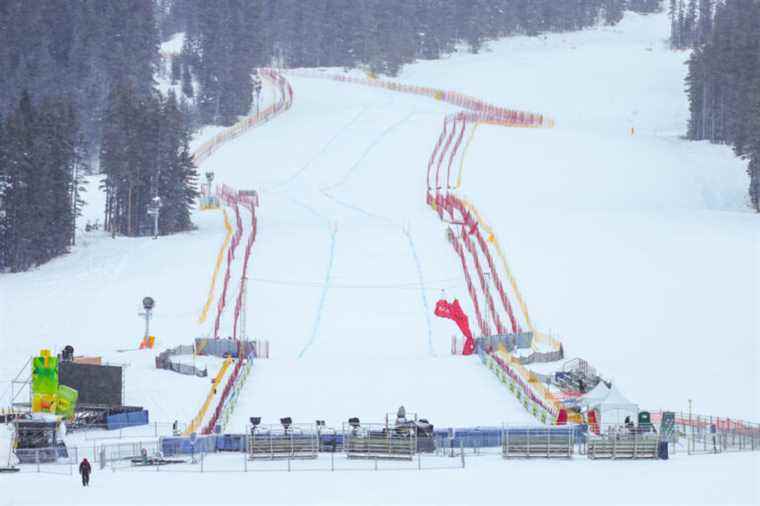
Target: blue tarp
[[184, 446], [328, 442], [130, 419], [475, 437], [231, 443], [490, 437]]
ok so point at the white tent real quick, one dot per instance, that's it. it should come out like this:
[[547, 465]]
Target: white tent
[[595, 395], [614, 408]]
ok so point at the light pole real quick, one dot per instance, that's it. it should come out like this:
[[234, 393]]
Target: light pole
[[209, 180], [690, 441], [153, 210], [257, 90], [148, 305]]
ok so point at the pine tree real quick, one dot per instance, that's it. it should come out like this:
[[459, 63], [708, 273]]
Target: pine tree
[[176, 69], [753, 170], [723, 83], [187, 82], [38, 152], [690, 24], [176, 174], [675, 26], [704, 26], [683, 35], [613, 11]]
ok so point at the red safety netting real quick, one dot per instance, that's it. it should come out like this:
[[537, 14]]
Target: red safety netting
[[228, 269], [209, 427], [243, 277], [454, 241], [284, 101]]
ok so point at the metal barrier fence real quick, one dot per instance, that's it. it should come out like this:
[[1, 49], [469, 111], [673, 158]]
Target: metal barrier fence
[[279, 443], [543, 442], [631, 446], [66, 460], [700, 434], [163, 361], [338, 450], [240, 462], [380, 442]]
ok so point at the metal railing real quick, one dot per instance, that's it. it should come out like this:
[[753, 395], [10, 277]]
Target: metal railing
[[542, 442], [278, 443], [379, 441]]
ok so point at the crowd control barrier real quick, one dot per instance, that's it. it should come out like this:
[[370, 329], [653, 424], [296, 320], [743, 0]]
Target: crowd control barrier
[[163, 361]]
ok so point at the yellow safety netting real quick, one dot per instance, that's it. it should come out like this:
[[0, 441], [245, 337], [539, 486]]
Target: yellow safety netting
[[464, 154], [539, 338], [198, 420], [541, 390], [217, 267]]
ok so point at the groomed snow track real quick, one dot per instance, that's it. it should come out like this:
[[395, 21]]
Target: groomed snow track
[[466, 229]]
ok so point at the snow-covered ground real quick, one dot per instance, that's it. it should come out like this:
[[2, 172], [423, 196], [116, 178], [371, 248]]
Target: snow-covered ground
[[638, 251], [487, 479]]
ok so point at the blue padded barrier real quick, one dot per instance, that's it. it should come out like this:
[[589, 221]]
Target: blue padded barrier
[[491, 437], [123, 420], [231, 443]]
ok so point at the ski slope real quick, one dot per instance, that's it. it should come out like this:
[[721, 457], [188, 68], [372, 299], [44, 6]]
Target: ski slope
[[334, 285], [638, 251]]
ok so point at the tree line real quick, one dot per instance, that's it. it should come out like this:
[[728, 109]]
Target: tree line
[[81, 74], [723, 80], [226, 38], [690, 22], [40, 193], [78, 93]]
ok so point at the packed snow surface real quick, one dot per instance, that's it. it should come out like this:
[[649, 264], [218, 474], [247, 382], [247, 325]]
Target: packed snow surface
[[638, 251]]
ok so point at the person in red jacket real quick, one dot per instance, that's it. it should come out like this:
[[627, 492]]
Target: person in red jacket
[[85, 469]]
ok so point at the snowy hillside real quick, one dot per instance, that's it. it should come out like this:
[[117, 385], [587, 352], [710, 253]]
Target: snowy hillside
[[636, 250]]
